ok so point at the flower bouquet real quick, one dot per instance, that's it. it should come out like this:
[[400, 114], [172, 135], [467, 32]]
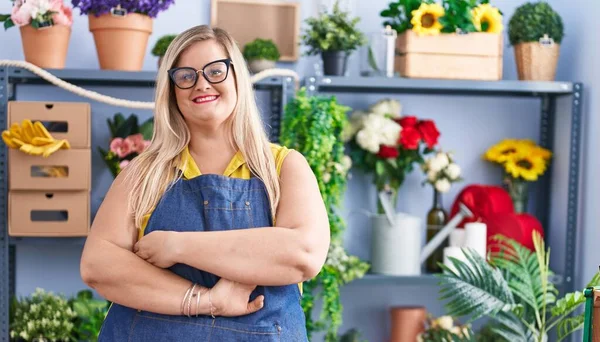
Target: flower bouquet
[[443, 329], [45, 27], [461, 38], [382, 141], [441, 171], [128, 140], [523, 162]]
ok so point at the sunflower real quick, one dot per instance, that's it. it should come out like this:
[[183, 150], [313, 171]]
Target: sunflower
[[537, 150], [525, 165], [502, 151], [487, 19], [425, 19]]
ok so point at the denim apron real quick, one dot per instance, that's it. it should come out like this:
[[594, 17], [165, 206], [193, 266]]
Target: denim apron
[[211, 203]]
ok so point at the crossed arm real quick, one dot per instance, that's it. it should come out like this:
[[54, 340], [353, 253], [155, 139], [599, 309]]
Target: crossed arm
[[132, 273]]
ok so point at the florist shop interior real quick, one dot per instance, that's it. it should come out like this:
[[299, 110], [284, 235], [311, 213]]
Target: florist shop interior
[[451, 141]]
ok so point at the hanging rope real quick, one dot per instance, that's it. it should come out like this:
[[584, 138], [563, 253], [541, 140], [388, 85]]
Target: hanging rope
[[122, 102]]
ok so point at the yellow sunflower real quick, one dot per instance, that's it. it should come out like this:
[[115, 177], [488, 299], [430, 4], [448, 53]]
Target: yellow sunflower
[[537, 150], [425, 19], [503, 150], [487, 19], [525, 165]]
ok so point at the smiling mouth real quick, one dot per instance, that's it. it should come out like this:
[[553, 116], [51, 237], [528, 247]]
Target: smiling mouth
[[205, 99]]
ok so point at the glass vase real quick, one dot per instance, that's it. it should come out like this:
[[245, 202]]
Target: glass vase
[[519, 191]]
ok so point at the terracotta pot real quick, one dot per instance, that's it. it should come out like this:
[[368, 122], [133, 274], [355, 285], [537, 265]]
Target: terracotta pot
[[407, 323], [536, 61], [121, 41], [46, 47]]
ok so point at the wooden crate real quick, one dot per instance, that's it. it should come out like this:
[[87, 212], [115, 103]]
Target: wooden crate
[[473, 56]]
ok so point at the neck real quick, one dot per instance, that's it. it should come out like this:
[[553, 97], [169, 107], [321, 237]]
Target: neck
[[437, 199], [210, 140]]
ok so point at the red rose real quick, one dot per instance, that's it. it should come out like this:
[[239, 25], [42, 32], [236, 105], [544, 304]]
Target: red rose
[[429, 132], [387, 152], [407, 121], [410, 138]]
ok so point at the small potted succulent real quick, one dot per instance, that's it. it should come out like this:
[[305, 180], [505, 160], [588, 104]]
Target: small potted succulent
[[536, 32], [334, 36], [261, 54], [161, 45], [45, 31], [121, 29]]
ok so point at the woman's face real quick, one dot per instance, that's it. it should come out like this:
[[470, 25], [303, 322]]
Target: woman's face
[[205, 103]]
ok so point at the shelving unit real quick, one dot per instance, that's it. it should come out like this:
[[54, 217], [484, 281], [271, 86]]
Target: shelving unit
[[547, 92], [280, 89]]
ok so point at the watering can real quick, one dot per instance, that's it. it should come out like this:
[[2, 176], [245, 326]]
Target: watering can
[[397, 240]]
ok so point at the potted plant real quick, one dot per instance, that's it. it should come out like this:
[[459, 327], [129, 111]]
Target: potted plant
[[121, 29], [334, 36], [161, 45], [512, 288], [45, 31], [261, 54], [536, 32], [461, 39]]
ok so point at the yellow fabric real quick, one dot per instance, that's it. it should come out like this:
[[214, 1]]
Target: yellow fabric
[[237, 168]]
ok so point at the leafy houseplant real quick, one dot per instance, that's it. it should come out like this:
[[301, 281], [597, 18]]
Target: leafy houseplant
[[313, 126], [536, 32], [161, 45], [334, 36], [90, 315], [514, 290], [128, 140], [45, 28], [261, 54], [523, 162], [121, 29]]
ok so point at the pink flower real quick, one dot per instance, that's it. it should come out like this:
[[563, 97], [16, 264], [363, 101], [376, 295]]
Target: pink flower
[[64, 16], [21, 14], [138, 144], [121, 147], [123, 163]]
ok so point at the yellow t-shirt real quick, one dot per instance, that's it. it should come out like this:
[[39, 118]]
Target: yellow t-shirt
[[237, 168]]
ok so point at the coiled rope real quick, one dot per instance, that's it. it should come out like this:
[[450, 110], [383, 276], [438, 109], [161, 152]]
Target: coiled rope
[[122, 102]]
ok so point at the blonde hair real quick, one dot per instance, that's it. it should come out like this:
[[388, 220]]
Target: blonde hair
[[153, 171]]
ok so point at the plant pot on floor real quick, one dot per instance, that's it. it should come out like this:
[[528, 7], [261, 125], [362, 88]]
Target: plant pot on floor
[[537, 61], [46, 47], [335, 63], [259, 65], [121, 41]]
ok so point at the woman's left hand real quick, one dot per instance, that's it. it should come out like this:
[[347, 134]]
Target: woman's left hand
[[157, 248]]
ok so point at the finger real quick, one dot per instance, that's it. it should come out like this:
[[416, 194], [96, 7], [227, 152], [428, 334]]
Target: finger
[[256, 304]]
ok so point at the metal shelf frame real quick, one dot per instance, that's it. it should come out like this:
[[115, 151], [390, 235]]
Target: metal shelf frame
[[546, 92], [281, 91]]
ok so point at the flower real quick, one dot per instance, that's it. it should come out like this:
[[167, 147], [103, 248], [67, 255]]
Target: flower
[[487, 19], [429, 132], [150, 8], [368, 140], [502, 151], [40, 12], [442, 185], [442, 171], [121, 147], [453, 171], [388, 152], [526, 166], [387, 108], [445, 322], [410, 138], [425, 19], [521, 159]]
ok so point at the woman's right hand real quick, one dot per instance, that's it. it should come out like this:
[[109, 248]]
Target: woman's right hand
[[230, 298]]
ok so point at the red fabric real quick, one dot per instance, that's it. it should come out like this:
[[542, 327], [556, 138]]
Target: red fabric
[[492, 205]]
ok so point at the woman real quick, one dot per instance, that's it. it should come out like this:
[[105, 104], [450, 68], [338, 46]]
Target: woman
[[186, 244]]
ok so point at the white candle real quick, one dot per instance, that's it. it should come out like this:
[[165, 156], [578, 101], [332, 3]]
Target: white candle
[[476, 237], [454, 252], [457, 238]]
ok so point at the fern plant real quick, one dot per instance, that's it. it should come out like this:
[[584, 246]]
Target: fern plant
[[514, 290]]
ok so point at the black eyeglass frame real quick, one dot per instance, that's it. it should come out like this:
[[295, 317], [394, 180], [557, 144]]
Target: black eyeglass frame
[[172, 71]]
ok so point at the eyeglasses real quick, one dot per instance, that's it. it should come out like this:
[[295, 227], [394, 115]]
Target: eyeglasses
[[214, 72]]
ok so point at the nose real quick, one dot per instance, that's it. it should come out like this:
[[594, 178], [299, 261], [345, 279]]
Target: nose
[[202, 83]]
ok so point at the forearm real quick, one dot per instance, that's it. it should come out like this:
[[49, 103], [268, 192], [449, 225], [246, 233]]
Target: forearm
[[122, 277], [269, 256]]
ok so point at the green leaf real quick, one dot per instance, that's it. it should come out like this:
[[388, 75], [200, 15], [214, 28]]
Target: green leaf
[[569, 325], [380, 167], [128, 127], [8, 24], [372, 61], [147, 129]]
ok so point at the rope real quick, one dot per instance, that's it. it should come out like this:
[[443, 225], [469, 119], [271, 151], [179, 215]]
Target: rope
[[122, 102]]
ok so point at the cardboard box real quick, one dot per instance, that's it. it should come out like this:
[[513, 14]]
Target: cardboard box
[[62, 170], [45, 214], [472, 56], [64, 120]]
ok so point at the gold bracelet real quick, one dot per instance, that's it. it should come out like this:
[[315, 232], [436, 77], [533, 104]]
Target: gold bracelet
[[183, 302], [210, 304], [190, 301]]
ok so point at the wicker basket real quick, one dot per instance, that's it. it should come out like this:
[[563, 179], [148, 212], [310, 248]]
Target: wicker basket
[[536, 61]]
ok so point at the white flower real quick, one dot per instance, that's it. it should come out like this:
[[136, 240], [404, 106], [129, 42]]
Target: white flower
[[346, 162], [420, 337], [24, 335], [453, 171], [326, 177], [30, 325], [368, 140], [431, 176], [445, 322], [442, 185], [456, 331], [387, 107], [390, 133], [438, 162], [374, 122], [355, 123]]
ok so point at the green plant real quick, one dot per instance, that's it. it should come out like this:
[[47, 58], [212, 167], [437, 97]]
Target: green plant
[[313, 126], [332, 32], [442, 329], [532, 21], [42, 316], [261, 49], [90, 315], [161, 45], [399, 13], [352, 335], [514, 290]]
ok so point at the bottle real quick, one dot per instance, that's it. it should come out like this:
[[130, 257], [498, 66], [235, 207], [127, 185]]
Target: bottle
[[436, 219]]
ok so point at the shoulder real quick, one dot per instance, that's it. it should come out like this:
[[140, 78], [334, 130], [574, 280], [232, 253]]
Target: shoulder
[[280, 154]]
